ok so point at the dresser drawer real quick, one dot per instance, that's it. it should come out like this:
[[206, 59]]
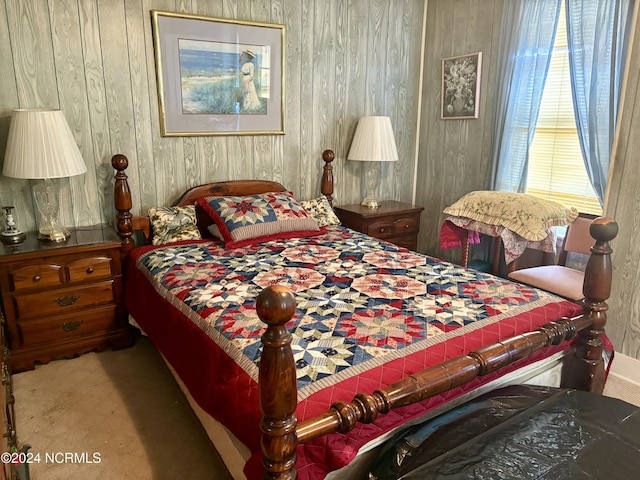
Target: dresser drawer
[[63, 299], [39, 276], [89, 268], [61, 327]]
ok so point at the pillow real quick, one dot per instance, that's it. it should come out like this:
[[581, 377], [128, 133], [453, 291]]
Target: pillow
[[320, 210], [246, 220], [524, 214], [171, 224]]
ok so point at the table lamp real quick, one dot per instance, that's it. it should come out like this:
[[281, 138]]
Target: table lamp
[[373, 142], [41, 146]]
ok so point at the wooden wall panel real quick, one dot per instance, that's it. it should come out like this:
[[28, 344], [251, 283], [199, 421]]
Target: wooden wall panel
[[454, 155], [11, 191], [623, 204], [97, 108], [69, 65]]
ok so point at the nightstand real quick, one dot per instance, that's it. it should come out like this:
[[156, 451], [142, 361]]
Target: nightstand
[[393, 221], [62, 300]]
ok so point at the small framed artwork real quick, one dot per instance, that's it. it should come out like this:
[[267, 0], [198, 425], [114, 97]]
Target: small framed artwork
[[461, 86], [218, 76]]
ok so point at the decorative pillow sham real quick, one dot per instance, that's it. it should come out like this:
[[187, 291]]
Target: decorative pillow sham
[[320, 210], [524, 214], [171, 224], [258, 218]]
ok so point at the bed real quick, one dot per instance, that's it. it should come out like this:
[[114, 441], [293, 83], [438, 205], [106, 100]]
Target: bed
[[308, 348]]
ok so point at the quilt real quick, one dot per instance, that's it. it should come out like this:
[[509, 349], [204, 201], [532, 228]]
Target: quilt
[[368, 313]]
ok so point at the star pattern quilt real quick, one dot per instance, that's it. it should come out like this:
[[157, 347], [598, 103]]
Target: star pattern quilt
[[368, 313]]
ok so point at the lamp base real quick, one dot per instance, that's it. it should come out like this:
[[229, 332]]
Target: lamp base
[[59, 235], [372, 180], [370, 202], [45, 195]]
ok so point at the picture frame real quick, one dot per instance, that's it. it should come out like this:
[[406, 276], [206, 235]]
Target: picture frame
[[461, 86], [218, 76]]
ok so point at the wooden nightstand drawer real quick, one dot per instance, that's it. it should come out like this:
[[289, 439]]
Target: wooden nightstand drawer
[[406, 225], [380, 228], [64, 327], [39, 276], [89, 268], [63, 299], [390, 226]]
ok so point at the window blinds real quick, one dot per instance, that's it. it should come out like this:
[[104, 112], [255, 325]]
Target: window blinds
[[556, 169]]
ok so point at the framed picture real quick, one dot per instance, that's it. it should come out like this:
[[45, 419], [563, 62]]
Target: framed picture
[[461, 86], [218, 76]]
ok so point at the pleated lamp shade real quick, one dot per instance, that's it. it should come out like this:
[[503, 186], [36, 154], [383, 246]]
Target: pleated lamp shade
[[40, 145], [373, 141]]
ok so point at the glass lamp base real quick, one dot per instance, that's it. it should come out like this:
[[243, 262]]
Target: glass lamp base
[[46, 195], [55, 235], [370, 202], [372, 180]]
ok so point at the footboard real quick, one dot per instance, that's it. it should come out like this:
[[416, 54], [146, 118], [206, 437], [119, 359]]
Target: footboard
[[277, 380]]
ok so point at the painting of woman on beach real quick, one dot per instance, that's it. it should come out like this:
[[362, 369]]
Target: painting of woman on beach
[[221, 78]]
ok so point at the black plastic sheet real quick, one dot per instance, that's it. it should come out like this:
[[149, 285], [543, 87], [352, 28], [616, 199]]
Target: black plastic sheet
[[520, 432]]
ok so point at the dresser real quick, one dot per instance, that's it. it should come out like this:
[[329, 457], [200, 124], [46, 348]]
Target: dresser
[[63, 299], [9, 438], [395, 222]]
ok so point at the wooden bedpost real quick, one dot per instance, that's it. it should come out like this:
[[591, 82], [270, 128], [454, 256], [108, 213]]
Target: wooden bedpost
[[277, 383], [122, 200], [326, 187], [586, 370]]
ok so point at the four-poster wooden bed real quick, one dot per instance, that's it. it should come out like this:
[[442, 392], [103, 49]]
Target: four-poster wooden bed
[[576, 334]]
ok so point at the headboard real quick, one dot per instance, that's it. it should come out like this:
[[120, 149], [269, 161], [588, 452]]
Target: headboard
[[127, 223]]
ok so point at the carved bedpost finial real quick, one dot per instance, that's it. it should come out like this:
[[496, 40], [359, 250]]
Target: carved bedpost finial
[[603, 230], [326, 187], [589, 371], [277, 383], [122, 200]]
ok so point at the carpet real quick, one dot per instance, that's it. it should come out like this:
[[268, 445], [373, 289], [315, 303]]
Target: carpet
[[111, 415]]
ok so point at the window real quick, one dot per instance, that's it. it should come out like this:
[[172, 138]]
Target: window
[[556, 170]]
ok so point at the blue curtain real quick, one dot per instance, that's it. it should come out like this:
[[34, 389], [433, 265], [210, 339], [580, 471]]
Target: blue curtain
[[526, 43], [597, 32]]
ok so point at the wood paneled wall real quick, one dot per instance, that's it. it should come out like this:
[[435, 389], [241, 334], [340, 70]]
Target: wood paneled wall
[[94, 59], [623, 204], [455, 155]]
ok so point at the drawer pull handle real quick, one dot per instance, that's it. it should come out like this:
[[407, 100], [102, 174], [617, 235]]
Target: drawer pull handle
[[67, 300], [71, 326], [90, 270], [382, 230], [36, 278], [407, 226]]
